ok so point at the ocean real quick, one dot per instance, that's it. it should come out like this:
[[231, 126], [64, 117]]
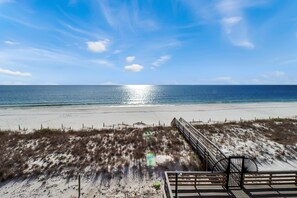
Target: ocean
[[110, 95]]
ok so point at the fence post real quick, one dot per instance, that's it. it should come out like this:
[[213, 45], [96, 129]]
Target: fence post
[[228, 173], [205, 159], [78, 186], [195, 180], [176, 180], [242, 172], [296, 179]]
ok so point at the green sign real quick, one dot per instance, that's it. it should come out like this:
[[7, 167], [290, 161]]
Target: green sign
[[150, 159]]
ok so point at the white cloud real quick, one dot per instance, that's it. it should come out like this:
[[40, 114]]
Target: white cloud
[[130, 59], [161, 60], [14, 73], [134, 68], [11, 42], [98, 46]]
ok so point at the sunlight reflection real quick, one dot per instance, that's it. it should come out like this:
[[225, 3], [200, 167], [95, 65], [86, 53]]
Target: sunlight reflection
[[139, 94]]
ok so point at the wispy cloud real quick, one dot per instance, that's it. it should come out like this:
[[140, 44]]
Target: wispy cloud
[[229, 22], [162, 60], [22, 22], [102, 62], [245, 44], [108, 83], [233, 22], [224, 80], [130, 59], [14, 73], [274, 74], [33, 55], [122, 16], [133, 68], [172, 43], [98, 46], [11, 42], [85, 32], [273, 77]]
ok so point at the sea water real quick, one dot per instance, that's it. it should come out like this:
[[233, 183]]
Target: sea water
[[19, 96]]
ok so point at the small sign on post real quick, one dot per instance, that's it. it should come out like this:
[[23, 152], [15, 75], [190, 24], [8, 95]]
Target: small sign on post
[[150, 159]]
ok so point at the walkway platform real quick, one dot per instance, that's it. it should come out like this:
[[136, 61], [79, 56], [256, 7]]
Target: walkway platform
[[229, 176]]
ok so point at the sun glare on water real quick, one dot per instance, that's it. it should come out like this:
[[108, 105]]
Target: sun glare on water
[[139, 94]]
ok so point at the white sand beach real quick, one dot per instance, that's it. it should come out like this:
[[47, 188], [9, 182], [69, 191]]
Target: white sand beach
[[97, 116]]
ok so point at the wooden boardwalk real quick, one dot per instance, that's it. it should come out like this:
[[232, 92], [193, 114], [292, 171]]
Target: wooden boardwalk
[[205, 184], [228, 176]]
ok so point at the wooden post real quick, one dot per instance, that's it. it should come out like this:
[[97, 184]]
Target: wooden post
[[41, 126], [19, 127], [78, 186], [62, 126], [228, 173], [189, 137], [176, 185], [206, 159], [270, 179], [195, 180], [242, 172], [196, 144]]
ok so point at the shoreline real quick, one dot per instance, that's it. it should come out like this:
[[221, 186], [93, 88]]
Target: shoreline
[[102, 116], [137, 105]]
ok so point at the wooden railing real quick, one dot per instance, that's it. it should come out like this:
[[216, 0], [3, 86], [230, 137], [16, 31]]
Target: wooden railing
[[270, 178], [174, 180], [202, 145], [187, 178], [224, 167], [167, 187]]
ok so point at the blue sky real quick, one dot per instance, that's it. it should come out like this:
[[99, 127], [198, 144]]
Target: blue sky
[[148, 42]]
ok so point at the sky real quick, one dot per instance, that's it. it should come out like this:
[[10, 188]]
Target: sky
[[106, 42]]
